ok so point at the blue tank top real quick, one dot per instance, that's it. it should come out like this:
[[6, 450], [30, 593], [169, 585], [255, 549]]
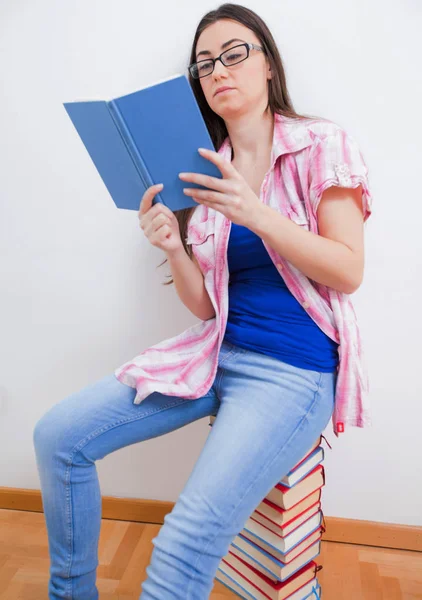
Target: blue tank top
[[263, 314]]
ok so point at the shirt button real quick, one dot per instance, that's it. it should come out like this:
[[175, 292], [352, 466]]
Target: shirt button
[[279, 266], [306, 305], [337, 336]]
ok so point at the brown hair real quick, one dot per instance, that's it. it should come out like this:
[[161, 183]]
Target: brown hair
[[278, 97]]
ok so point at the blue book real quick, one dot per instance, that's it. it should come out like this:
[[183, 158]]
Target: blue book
[[144, 138]]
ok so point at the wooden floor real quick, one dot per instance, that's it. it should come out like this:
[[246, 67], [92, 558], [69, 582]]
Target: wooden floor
[[349, 571]]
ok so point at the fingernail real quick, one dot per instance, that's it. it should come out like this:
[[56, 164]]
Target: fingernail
[[160, 185]]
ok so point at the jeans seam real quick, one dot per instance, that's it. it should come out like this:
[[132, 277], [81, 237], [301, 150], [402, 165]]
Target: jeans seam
[[220, 373], [224, 523], [69, 516], [230, 353], [77, 448], [217, 383]]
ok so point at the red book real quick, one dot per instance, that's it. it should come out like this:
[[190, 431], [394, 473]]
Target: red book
[[262, 587], [281, 516], [258, 546], [291, 525], [274, 569], [286, 497]]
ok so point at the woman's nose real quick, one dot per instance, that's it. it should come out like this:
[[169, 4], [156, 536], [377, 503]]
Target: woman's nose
[[219, 67]]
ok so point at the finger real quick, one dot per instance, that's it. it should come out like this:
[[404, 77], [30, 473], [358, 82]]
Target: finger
[[221, 185], [148, 197], [162, 233], [159, 209], [226, 168], [155, 224], [165, 231], [201, 195], [159, 220]]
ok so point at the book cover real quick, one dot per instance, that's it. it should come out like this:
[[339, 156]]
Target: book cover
[[258, 547], [262, 586], [283, 544], [146, 137], [275, 569]]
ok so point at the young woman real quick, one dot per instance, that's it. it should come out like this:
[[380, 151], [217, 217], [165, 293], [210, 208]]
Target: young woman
[[266, 260]]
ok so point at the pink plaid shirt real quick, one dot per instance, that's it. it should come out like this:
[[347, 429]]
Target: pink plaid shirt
[[307, 157]]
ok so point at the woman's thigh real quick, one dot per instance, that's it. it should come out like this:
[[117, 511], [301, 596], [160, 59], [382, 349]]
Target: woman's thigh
[[102, 417], [270, 415]]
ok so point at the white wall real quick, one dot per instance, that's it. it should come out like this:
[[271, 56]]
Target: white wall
[[80, 291]]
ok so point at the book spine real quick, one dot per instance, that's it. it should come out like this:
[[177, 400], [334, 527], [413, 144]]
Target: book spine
[[132, 149]]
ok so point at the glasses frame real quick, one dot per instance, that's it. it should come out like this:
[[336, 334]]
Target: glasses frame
[[249, 47]]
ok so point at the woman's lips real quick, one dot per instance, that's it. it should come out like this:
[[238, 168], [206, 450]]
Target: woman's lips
[[224, 91]]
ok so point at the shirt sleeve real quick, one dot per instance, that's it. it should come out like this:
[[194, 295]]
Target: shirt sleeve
[[336, 160]]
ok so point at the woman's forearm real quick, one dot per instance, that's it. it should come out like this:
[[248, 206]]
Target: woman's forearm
[[189, 283]]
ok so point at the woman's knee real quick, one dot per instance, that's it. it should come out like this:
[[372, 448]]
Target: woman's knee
[[49, 432]]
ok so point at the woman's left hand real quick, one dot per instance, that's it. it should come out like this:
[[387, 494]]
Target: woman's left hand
[[232, 195]]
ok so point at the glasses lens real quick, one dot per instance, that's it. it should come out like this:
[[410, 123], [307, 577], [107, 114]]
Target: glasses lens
[[201, 68], [234, 55]]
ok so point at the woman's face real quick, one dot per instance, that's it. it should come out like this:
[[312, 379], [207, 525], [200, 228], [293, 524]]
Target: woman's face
[[247, 78]]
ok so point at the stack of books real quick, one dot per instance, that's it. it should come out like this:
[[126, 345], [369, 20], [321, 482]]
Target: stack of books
[[273, 557]]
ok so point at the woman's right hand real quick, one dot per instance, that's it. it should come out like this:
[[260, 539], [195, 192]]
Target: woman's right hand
[[158, 222]]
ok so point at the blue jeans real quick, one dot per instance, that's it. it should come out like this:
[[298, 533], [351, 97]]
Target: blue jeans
[[269, 415]]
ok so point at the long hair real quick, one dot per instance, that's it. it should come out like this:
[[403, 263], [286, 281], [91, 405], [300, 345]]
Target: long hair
[[278, 96]]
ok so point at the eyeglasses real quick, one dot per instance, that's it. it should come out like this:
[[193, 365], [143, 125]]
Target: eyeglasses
[[228, 58]]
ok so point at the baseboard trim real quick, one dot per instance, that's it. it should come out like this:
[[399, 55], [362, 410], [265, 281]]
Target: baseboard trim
[[348, 531]]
